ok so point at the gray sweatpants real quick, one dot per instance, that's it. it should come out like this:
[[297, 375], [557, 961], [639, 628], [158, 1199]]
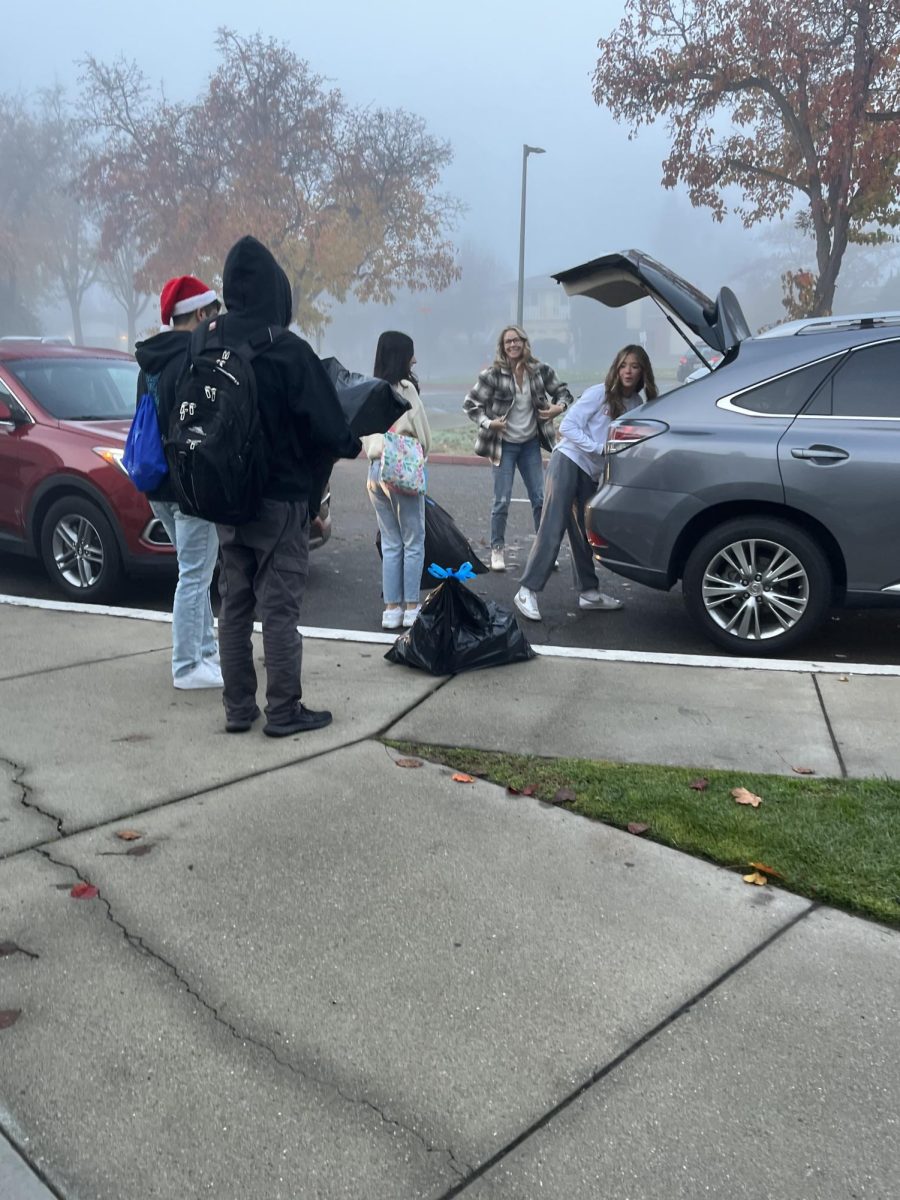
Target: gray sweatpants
[[566, 491], [264, 568]]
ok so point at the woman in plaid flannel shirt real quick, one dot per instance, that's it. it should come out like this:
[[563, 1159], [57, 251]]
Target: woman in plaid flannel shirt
[[514, 403]]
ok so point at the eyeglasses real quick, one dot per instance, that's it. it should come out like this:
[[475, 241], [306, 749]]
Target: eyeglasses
[[514, 342]]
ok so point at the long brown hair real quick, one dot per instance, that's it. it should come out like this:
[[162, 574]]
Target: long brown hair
[[615, 401]]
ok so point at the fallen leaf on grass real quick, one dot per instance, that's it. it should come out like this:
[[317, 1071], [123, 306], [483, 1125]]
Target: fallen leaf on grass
[[803, 770], [462, 777], [84, 891], [756, 878], [529, 790], [637, 828], [768, 870], [9, 1016], [139, 851], [128, 835], [408, 762], [742, 796], [565, 795], [700, 785]]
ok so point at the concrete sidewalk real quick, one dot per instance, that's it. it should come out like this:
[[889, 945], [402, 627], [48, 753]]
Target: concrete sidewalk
[[328, 977]]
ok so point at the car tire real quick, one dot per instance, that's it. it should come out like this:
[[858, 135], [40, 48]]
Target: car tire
[[757, 586], [80, 551]]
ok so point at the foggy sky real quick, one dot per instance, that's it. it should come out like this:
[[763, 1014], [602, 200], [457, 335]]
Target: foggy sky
[[486, 74]]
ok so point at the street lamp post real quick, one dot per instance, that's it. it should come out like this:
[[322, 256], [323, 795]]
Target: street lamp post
[[526, 150]]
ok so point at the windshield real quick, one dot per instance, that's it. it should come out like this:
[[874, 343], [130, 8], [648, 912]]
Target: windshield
[[80, 389]]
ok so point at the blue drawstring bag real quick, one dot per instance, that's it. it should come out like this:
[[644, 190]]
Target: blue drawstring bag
[[144, 458]]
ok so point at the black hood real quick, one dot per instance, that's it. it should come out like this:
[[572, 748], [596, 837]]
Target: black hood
[[155, 354], [254, 287]]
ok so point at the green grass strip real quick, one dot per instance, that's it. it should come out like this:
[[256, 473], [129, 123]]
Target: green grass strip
[[832, 840]]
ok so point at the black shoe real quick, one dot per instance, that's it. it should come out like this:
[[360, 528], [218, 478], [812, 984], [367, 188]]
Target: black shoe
[[301, 721], [241, 724]]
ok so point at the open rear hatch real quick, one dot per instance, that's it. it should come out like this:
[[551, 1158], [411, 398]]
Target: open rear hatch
[[617, 279]]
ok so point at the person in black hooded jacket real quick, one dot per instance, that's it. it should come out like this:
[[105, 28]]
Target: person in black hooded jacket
[[264, 562], [183, 303]]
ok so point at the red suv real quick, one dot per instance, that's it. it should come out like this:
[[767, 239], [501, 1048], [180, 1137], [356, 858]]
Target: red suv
[[64, 494]]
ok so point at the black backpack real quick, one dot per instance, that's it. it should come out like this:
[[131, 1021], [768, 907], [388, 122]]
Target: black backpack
[[215, 446]]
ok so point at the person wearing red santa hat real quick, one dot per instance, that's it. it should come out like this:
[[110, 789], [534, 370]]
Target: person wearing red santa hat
[[183, 303]]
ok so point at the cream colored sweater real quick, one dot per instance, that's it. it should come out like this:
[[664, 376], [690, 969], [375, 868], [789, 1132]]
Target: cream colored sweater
[[414, 422]]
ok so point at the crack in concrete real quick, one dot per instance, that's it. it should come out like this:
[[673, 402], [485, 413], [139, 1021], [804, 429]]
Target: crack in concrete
[[18, 781], [138, 943]]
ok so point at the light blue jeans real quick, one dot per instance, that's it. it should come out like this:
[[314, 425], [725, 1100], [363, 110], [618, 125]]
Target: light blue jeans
[[527, 457], [197, 548], [401, 520]]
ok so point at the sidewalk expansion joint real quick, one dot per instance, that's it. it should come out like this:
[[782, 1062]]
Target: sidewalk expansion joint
[[834, 742], [25, 791], [620, 1059], [137, 943], [74, 666]]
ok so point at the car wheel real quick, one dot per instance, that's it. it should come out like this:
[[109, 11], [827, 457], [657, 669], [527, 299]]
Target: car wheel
[[79, 550], [757, 586]]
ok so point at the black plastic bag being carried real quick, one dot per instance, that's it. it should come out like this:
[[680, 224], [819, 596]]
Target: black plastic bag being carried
[[370, 405], [458, 631], [445, 542]]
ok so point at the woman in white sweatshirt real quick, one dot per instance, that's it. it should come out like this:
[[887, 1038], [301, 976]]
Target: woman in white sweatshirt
[[401, 518], [572, 476]]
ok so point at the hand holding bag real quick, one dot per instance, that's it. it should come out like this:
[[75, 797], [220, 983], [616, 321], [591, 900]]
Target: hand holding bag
[[403, 464]]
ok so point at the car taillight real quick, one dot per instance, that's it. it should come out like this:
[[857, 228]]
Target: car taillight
[[629, 433], [596, 540]]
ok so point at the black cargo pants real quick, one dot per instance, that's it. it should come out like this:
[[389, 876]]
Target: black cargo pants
[[263, 571]]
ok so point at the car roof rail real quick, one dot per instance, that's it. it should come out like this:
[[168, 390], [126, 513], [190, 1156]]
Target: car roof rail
[[867, 320]]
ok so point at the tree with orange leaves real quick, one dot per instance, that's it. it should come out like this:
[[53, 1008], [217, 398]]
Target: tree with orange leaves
[[347, 199], [811, 90]]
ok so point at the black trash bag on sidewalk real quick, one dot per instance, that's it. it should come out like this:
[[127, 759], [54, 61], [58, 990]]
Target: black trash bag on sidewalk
[[445, 542], [458, 631], [370, 405]]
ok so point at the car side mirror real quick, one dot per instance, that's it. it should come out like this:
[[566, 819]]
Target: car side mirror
[[9, 416]]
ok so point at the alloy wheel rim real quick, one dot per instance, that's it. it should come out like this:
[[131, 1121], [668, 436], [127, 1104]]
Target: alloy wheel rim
[[755, 589], [77, 551]]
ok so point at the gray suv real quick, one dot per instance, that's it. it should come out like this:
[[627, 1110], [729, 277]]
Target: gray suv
[[771, 486]]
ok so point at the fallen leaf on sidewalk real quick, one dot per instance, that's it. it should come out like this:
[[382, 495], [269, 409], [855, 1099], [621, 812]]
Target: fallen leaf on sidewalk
[[408, 762], [803, 770], [9, 1016], [84, 891], [768, 870], [128, 835], [843, 678], [565, 795], [462, 777], [755, 877], [700, 785], [637, 828], [743, 796]]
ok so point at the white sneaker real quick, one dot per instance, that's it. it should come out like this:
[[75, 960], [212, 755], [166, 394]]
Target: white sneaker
[[205, 675], [597, 600], [498, 559], [526, 602], [409, 616], [392, 618]]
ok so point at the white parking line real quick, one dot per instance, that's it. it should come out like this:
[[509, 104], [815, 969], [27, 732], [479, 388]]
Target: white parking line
[[799, 666]]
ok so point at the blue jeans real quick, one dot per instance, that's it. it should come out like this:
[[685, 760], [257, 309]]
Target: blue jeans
[[527, 457], [401, 520], [197, 548]]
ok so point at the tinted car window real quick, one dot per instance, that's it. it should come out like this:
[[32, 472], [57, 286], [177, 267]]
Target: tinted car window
[[868, 383], [86, 389], [788, 393]]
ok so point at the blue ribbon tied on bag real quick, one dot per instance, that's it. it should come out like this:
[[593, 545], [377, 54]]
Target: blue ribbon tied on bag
[[465, 571]]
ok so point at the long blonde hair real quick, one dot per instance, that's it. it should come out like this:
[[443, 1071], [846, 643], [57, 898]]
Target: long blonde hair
[[500, 359], [615, 401]]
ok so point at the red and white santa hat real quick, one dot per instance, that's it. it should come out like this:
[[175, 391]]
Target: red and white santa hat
[[184, 295]]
